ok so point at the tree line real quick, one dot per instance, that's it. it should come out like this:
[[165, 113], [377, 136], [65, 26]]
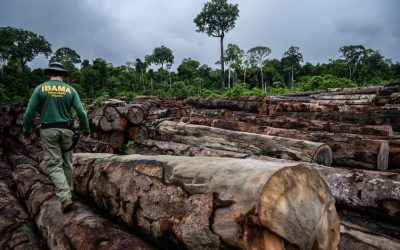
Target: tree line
[[248, 71]]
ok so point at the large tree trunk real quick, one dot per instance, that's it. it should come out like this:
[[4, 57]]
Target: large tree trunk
[[134, 113], [221, 41], [348, 150], [16, 229], [79, 229], [279, 147], [213, 202], [255, 104]]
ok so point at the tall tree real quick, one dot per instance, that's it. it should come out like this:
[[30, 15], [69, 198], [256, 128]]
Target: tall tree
[[163, 56], [233, 55], [141, 67], [216, 19], [292, 58], [258, 57], [22, 45], [68, 57], [353, 55]]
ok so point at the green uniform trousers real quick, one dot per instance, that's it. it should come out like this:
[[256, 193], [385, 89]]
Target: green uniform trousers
[[59, 164]]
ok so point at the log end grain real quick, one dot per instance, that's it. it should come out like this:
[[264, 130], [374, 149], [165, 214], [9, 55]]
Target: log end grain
[[383, 156], [323, 155], [297, 205]]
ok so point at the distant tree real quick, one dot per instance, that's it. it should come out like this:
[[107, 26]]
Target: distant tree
[[292, 58], [353, 55], [68, 57], [232, 57], [141, 67], [258, 57], [188, 69], [22, 45], [246, 64], [163, 56], [374, 67], [216, 19]]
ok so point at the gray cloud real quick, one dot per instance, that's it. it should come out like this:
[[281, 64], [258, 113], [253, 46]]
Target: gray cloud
[[121, 31]]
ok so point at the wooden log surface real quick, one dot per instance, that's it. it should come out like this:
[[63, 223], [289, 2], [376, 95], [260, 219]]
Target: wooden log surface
[[79, 229], [197, 202], [279, 147], [134, 113], [256, 104], [112, 120], [16, 228], [138, 133], [335, 96]]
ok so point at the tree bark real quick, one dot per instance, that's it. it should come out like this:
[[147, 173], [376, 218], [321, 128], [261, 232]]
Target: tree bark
[[79, 229], [348, 150], [134, 113], [279, 147], [255, 104], [115, 138], [138, 133], [16, 229], [212, 202], [112, 120], [345, 102]]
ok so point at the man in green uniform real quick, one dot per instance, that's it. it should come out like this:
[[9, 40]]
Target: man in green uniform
[[54, 100]]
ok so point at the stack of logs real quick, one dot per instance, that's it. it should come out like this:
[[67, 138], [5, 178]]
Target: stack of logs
[[237, 172], [11, 117]]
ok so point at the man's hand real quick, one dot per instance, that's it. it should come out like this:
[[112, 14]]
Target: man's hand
[[27, 139], [85, 137]]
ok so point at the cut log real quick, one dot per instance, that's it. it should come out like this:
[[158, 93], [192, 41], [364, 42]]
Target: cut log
[[79, 229], [206, 202], [345, 102], [274, 99], [138, 133], [93, 146], [256, 104], [301, 107], [4, 109], [356, 237], [153, 147], [14, 130], [6, 120], [112, 120], [335, 96], [348, 150], [17, 108], [222, 139], [16, 229], [115, 138], [5, 174], [365, 193], [19, 119], [223, 113], [134, 113]]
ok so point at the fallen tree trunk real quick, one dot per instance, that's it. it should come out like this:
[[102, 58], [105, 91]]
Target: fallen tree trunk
[[16, 229], [335, 96], [79, 229], [138, 133], [355, 237], [348, 150], [212, 202], [112, 120], [115, 138], [223, 113], [279, 147], [345, 102], [222, 123], [365, 192], [134, 113], [256, 104]]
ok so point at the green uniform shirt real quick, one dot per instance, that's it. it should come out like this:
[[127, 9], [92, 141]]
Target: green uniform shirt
[[54, 100]]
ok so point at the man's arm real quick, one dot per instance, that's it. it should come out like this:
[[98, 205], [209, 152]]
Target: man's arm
[[30, 112], [76, 102]]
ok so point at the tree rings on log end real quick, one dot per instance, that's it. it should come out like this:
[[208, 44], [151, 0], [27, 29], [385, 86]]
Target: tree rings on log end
[[323, 155], [297, 205]]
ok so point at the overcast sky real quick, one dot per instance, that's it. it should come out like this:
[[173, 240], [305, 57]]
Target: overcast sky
[[123, 30]]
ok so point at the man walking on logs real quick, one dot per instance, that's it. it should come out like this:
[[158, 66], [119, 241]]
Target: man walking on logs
[[54, 100]]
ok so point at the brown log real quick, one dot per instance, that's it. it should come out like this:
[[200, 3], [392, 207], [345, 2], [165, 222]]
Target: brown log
[[274, 99], [19, 119], [4, 109], [134, 113], [16, 229], [79, 229], [93, 146], [95, 115], [345, 102], [112, 120], [138, 133], [222, 113], [256, 104], [279, 147], [17, 108], [115, 138], [6, 120], [364, 192], [180, 112], [364, 118], [154, 147], [356, 237], [348, 150], [14, 130], [335, 96], [5, 174], [206, 202]]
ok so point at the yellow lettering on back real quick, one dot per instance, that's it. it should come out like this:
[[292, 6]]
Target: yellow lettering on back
[[43, 87], [61, 88], [47, 88], [54, 88], [68, 90]]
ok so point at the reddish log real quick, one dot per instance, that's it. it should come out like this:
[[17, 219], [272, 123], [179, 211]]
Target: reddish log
[[112, 120]]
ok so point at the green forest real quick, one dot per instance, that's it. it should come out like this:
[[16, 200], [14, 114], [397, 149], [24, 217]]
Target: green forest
[[238, 71]]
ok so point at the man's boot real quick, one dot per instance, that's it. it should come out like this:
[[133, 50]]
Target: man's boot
[[66, 205]]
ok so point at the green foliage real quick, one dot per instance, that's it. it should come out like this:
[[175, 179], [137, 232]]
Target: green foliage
[[324, 82], [243, 89], [22, 45], [130, 143], [209, 93], [68, 57]]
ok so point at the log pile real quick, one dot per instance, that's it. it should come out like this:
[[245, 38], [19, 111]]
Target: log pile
[[11, 117]]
